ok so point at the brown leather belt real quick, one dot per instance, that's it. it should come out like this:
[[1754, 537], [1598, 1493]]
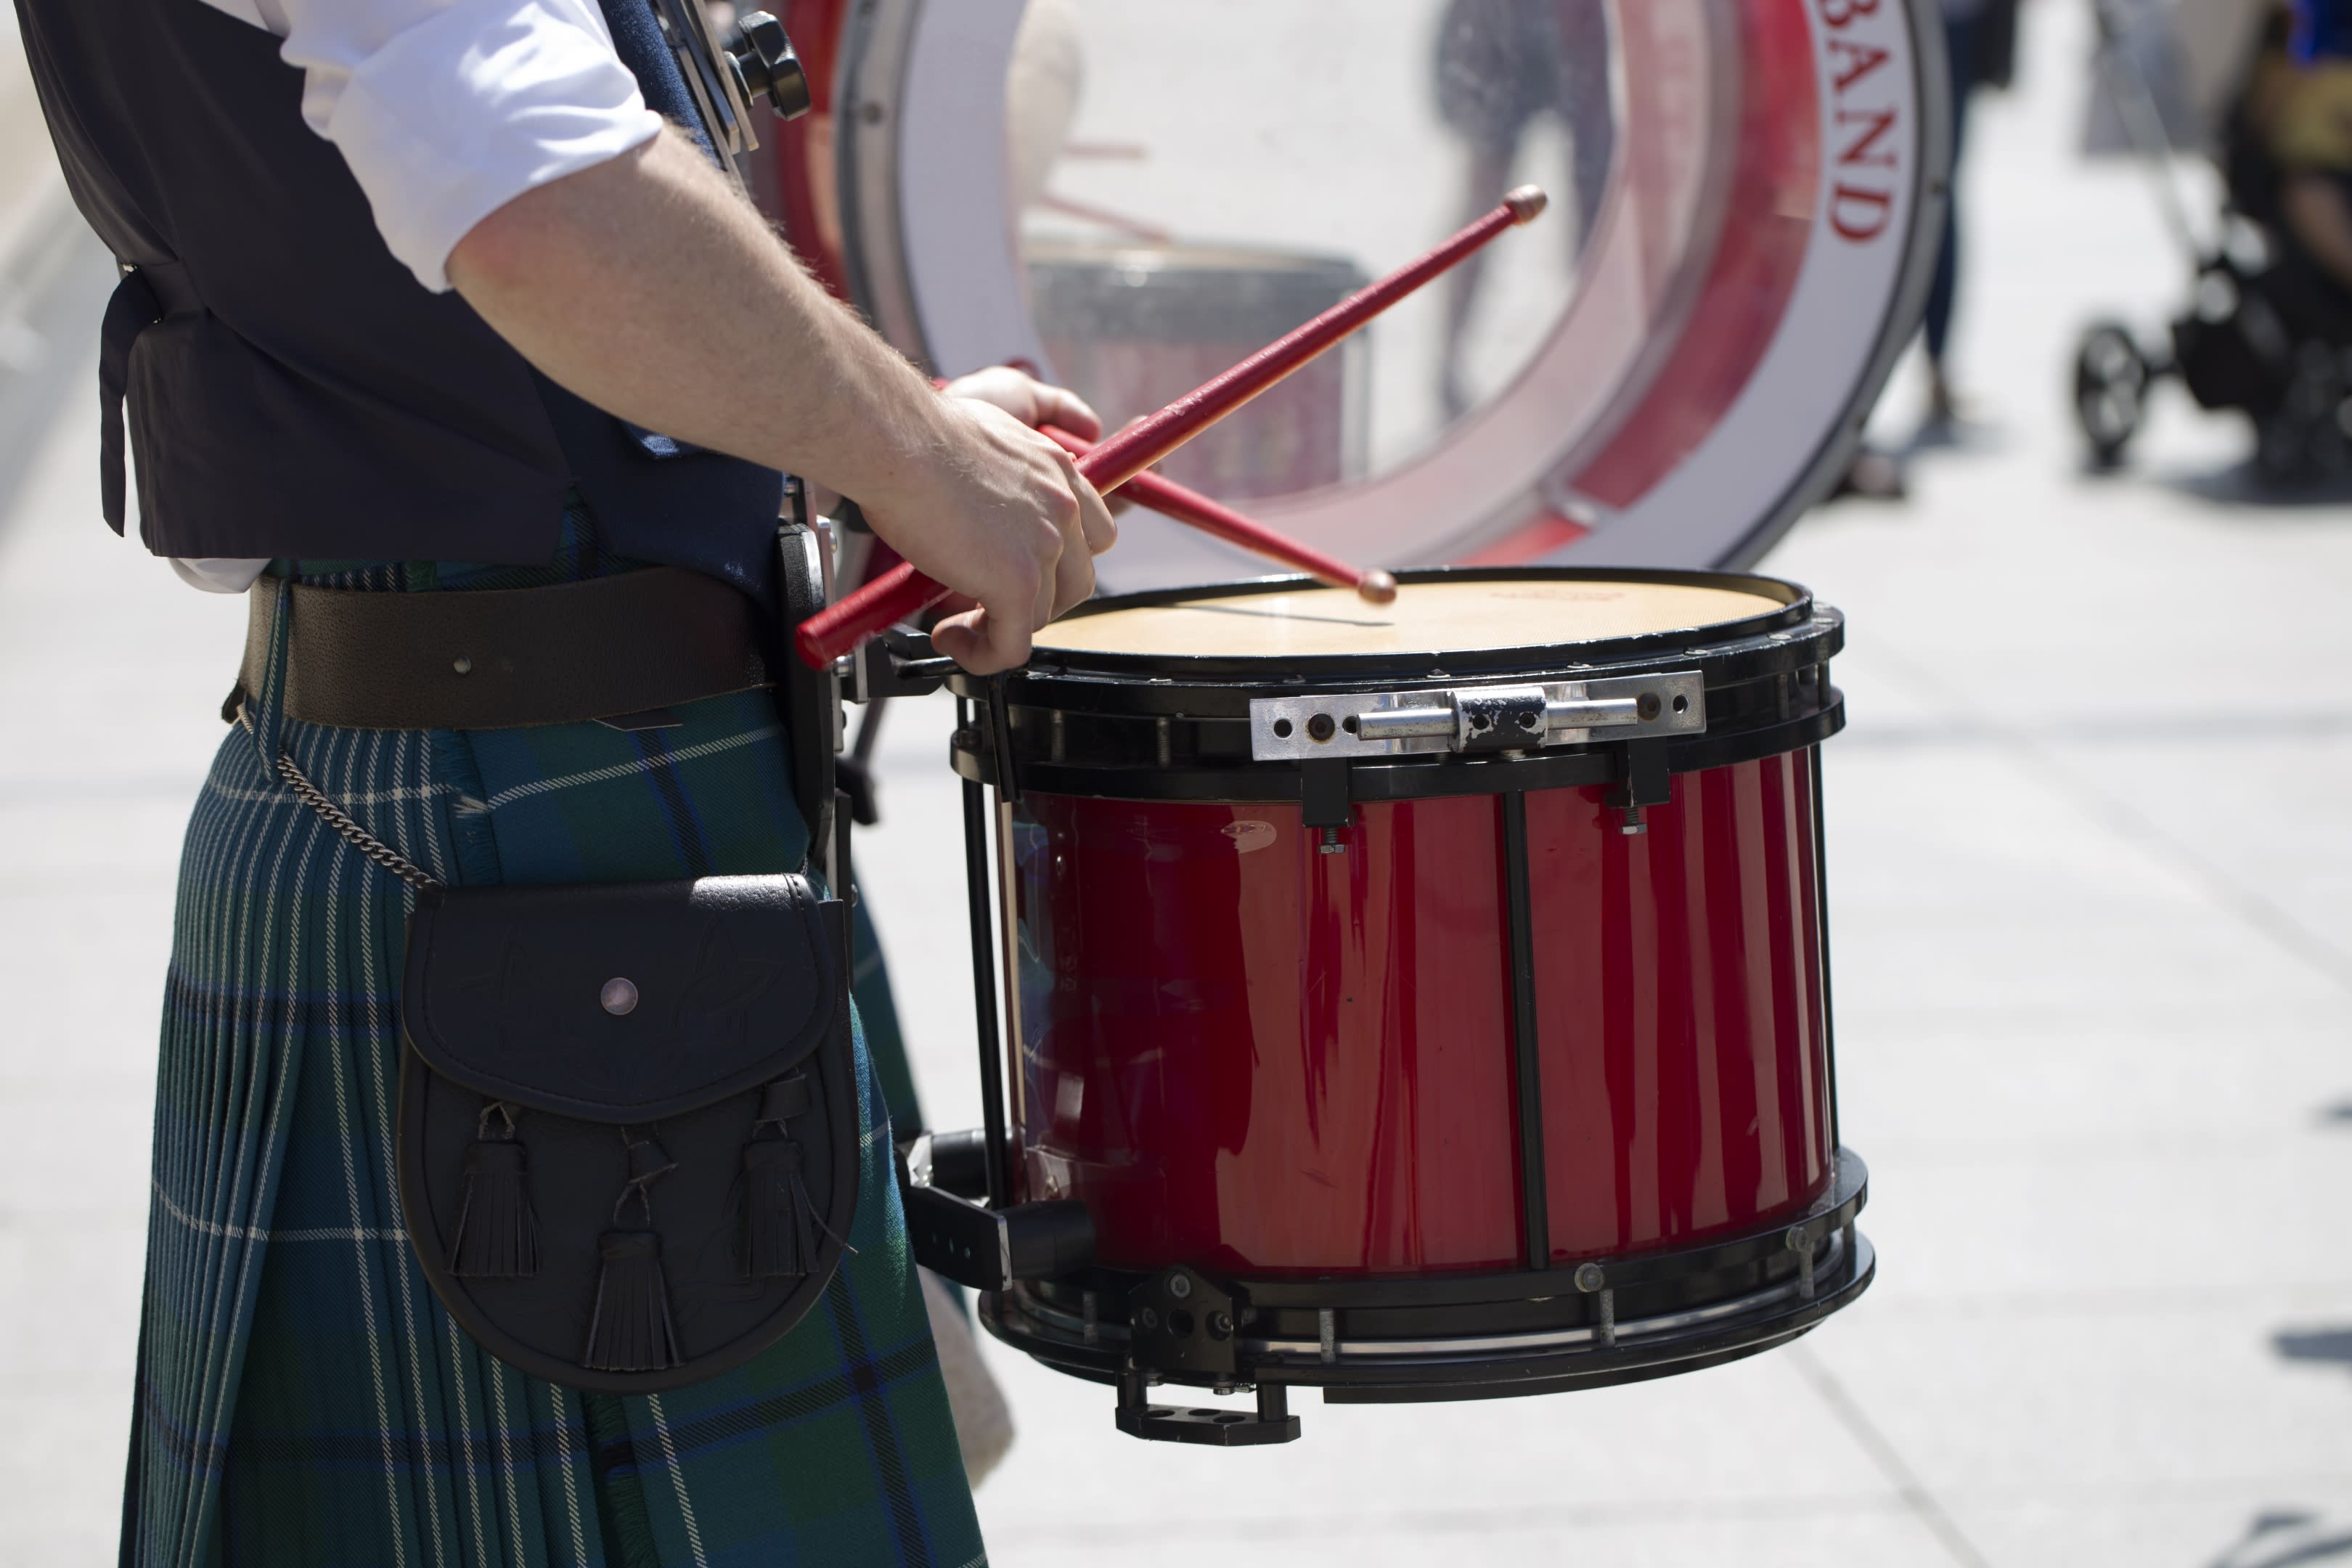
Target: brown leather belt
[[506, 658]]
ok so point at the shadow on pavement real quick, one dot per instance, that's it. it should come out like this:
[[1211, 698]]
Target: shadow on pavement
[[2283, 1539], [2314, 1344], [2242, 485]]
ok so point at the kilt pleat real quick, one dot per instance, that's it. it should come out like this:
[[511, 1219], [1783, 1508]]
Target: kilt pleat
[[302, 1396]]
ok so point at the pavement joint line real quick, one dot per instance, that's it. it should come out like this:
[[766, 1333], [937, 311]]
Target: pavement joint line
[[2183, 729], [1466, 1521], [1907, 1486], [2109, 1304], [2127, 823], [1676, 1510]]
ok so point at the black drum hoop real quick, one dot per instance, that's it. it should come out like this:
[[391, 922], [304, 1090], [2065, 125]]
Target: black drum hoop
[[1476, 1336], [1175, 726], [1408, 779]]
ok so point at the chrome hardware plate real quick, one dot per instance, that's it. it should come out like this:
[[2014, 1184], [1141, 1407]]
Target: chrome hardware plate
[[1476, 719]]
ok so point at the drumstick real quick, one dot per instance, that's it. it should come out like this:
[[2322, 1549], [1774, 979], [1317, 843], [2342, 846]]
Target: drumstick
[[903, 592], [1180, 504], [1169, 499]]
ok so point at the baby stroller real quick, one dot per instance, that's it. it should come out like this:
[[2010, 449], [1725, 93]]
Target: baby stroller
[[2263, 333]]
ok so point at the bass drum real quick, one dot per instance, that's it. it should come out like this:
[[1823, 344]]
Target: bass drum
[[1663, 371]]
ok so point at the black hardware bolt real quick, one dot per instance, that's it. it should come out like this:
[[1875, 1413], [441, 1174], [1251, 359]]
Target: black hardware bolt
[[768, 65], [1646, 706], [1320, 728]]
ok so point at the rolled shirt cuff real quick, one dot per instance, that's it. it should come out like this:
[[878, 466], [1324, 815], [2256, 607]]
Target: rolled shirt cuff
[[455, 117]]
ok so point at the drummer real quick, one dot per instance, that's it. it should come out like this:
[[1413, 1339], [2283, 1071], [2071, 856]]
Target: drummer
[[397, 273]]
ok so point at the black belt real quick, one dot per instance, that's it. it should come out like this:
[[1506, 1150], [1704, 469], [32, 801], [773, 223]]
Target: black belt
[[499, 658]]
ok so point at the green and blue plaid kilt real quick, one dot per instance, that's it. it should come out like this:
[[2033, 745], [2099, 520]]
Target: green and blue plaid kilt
[[302, 1397]]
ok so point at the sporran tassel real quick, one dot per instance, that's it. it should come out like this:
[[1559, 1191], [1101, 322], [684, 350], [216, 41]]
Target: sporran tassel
[[630, 1330], [498, 1235], [779, 1241]]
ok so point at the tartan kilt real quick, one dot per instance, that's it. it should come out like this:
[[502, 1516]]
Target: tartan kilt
[[302, 1396]]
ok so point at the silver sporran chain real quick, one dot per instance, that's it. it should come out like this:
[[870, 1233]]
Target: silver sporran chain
[[336, 817]]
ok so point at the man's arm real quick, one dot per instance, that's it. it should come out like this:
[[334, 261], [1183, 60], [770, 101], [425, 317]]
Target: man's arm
[[648, 287]]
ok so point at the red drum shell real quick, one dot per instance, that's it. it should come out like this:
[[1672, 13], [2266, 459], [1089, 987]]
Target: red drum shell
[[1246, 1054]]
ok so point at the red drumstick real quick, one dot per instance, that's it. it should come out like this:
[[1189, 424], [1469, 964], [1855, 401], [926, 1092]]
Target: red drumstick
[[903, 592], [1167, 496]]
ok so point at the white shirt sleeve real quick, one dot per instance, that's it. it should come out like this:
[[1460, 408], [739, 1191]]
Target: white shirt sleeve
[[448, 109]]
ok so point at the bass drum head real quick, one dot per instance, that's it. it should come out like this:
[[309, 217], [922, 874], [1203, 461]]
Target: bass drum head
[[1663, 371]]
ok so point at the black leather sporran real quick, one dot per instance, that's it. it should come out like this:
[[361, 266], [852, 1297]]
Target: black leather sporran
[[628, 1141]]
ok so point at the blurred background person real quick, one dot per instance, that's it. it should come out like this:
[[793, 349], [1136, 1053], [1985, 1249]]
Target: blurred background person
[[1504, 66], [1979, 50]]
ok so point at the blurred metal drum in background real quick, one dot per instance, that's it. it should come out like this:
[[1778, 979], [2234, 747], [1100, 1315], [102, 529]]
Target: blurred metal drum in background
[[1132, 326]]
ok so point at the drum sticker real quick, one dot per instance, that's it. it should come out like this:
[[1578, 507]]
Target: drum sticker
[[1249, 835]]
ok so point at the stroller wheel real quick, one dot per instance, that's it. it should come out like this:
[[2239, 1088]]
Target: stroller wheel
[[2111, 378]]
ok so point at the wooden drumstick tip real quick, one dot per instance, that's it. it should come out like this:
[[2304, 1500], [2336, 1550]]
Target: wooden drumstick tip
[[1376, 587], [1527, 203]]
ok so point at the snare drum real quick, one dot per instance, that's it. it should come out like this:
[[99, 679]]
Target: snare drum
[[1427, 1001]]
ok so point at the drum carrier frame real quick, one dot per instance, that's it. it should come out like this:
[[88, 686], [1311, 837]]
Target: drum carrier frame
[[1627, 714]]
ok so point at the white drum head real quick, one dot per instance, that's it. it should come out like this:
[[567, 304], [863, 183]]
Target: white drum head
[[1663, 370], [1442, 617]]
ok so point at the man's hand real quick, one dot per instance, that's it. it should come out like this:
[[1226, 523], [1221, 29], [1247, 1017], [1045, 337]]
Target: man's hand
[[647, 286], [1029, 400], [1006, 519]]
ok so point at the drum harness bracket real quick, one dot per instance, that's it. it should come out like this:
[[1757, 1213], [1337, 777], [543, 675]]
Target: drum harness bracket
[[1326, 731]]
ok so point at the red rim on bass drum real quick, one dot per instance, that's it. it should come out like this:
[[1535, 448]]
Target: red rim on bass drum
[[1422, 1002]]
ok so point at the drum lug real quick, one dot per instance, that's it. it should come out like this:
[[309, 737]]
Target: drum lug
[[1324, 798], [1643, 780]]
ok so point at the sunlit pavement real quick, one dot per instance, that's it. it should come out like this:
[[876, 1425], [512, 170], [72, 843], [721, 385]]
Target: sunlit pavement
[[2091, 838]]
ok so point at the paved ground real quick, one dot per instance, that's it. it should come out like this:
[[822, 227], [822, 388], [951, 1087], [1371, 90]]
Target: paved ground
[[2093, 861]]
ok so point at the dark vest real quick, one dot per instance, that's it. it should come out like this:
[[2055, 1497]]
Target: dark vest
[[291, 389]]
